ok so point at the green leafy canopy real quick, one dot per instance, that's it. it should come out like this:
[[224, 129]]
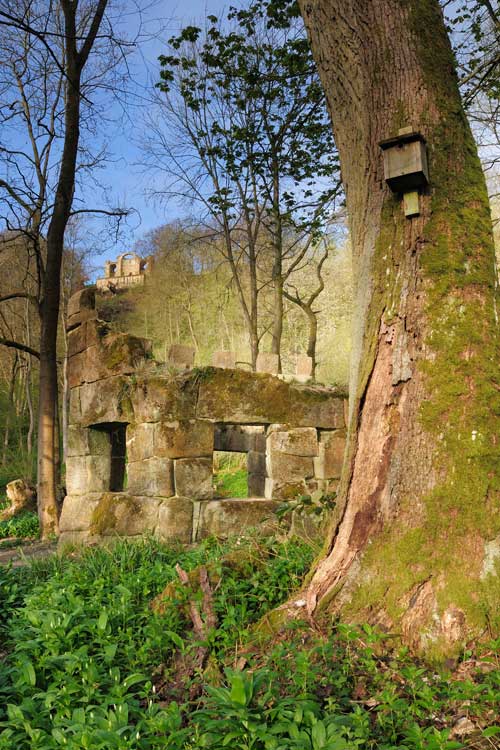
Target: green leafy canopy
[[255, 111]]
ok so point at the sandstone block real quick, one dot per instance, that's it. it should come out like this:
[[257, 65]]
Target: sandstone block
[[256, 436], [328, 464], [76, 513], [256, 485], [75, 539], [75, 409], [276, 490], [256, 463], [120, 354], [183, 439], [299, 441], [238, 397], [153, 477], [77, 365], [193, 478], [92, 365], [285, 467], [76, 475], [140, 441], [86, 474], [280, 427], [260, 442], [85, 441], [269, 363], [82, 300], [77, 340], [233, 438], [175, 520], [95, 332], [224, 359], [181, 356], [140, 518], [223, 518], [106, 400], [123, 515], [80, 317], [158, 398]]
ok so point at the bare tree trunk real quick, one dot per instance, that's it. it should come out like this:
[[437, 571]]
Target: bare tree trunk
[[46, 491], [191, 328], [29, 395], [254, 347], [10, 402], [29, 401], [277, 327], [409, 544], [307, 307], [47, 416], [277, 272], [253, 318], [312, 320], [312, 338]]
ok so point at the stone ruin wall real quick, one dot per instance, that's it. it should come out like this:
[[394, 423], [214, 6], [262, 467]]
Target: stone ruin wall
[[127, 270], [141, 439]]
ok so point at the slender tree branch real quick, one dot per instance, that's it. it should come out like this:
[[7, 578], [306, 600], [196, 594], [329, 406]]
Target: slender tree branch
[[19, 347]]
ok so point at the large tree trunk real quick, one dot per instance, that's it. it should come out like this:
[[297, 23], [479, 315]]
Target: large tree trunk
[[412, 545]]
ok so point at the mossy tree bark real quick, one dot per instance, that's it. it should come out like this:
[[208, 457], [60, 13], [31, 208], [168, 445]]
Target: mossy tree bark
[[415, 545]]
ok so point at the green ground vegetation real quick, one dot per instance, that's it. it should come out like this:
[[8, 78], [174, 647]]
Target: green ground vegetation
[[230, 474], [88, 662], [23, 526]]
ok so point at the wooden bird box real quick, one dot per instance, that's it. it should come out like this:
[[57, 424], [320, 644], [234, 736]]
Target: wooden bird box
[[405, 162]]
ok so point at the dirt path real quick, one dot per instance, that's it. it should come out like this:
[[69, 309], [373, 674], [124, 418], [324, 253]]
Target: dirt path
[[24, 552]]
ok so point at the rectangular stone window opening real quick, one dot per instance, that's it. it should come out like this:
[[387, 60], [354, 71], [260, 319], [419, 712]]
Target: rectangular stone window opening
[[239, 460], [116, 453]]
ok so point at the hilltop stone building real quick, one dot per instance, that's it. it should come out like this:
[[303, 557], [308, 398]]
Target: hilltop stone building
[[142, 437], [127, 270]]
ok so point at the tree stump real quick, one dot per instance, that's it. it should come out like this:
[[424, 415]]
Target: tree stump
[[22, 496]]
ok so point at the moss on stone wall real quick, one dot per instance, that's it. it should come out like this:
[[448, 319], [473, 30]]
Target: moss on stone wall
[[119, 349], [104, 519], [237, 395]]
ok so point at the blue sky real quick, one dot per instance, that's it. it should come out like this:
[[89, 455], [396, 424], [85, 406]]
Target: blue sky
[[122, 175]]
